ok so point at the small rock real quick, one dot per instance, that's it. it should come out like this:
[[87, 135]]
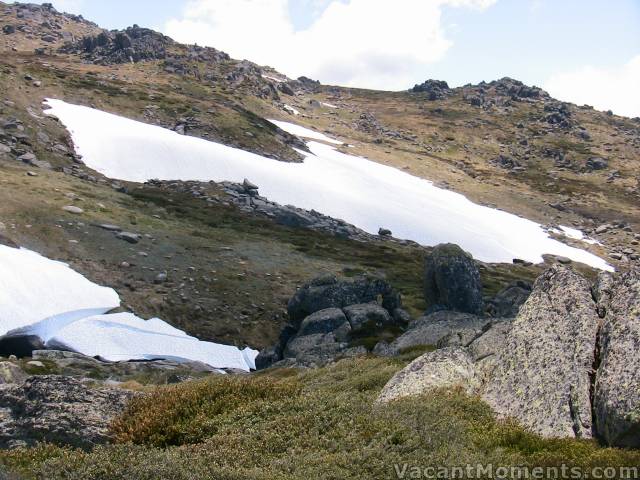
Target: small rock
[[249, 185], [72, 209], [128, 237], [160, 278], [384, 232]]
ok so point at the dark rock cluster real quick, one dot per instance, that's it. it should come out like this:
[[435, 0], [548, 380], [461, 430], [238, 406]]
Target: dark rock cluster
[[133, 44], [435, 89], [328, 315]]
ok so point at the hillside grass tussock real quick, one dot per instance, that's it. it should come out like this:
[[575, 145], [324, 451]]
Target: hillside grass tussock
[[314, 424]]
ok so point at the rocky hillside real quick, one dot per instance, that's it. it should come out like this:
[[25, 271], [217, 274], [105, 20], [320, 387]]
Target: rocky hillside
[[384, 350]]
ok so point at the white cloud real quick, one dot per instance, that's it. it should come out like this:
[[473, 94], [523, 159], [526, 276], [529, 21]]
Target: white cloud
[[613, 88], [364, 43]]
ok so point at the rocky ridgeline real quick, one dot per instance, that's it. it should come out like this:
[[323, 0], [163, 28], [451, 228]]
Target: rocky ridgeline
[[245, 196], [41, 22], [112, 47]]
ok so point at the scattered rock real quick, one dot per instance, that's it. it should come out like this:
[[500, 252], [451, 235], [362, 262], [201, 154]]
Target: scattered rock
[[563, 260], [329, 292], [160, 278], [324, 321], [508, 301], [431, 329], [367, 316], [249, 185], [596, 163]]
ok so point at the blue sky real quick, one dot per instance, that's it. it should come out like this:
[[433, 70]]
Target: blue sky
[[586, 51]]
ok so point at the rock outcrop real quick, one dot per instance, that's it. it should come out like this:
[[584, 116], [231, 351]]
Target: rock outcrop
[[452, 280], [431, 329], [447, 367], [57, 409], [329, 292], [567, 366], [327, 315], [131, 45], [543, 372], [617, 384], [435, 89]]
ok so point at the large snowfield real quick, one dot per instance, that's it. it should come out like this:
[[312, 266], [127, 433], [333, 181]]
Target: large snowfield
[[43, 297], [364, 193]]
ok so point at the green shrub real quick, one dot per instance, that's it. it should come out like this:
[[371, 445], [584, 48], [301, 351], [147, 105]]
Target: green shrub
[[190, 412]]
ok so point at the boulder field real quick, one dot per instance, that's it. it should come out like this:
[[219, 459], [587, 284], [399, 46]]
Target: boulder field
[[566, 366]]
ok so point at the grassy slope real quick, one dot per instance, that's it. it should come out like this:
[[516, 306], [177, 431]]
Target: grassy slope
[[230, 274], [320, 424]]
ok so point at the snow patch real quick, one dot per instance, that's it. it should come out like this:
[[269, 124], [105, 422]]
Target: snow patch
[[124, 336], [364, 193], [292, 110], [275, 79], [299, 131], [574, 234], [43, 297], [34, 288]]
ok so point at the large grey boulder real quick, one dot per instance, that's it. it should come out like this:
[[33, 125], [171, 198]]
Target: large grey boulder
[[367, 316], [452, 280], [329, 292], [444, 368], [324, 321], [314, 350], [617, 385], [430, 329], [542, 375], [58, 409]]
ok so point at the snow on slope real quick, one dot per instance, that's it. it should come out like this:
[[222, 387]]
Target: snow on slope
[[124, 336], [42, 297], [34, 288], [294, 129], [364, 193]]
